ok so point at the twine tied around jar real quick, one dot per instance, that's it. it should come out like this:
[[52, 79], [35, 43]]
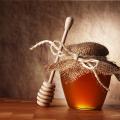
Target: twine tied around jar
[[88, 63]]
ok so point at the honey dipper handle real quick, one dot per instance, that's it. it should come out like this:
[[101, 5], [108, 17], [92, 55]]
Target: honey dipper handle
[[68, 24]]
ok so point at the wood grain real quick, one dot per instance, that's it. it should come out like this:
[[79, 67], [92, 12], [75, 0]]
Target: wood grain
[[28, 110]]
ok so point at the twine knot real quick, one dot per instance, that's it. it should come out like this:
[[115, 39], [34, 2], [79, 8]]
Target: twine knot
[[88, 63]]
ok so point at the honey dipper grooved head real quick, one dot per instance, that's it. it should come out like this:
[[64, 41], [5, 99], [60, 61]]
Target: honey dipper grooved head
[[45, 94]]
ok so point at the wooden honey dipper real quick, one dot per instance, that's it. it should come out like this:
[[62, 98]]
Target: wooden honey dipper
[[46, 92]]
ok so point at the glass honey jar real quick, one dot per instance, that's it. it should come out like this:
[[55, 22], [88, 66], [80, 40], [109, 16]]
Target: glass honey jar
[[85, 88], [85, 92]]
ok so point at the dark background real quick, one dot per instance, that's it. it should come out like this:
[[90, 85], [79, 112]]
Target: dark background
[[23, 23]]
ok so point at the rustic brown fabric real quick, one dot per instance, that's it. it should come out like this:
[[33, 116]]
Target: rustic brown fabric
[[70, 69], [89, 48]]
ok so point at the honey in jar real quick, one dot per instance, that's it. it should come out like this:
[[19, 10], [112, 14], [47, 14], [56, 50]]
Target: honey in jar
[[85, 88], [85, 92]]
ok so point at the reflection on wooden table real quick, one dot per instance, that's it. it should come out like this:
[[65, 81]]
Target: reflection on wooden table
[[29, 110]]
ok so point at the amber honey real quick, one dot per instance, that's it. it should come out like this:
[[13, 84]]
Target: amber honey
[[85, 92]]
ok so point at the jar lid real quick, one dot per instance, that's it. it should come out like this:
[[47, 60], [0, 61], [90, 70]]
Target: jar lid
[[89, 48], [71, 68]]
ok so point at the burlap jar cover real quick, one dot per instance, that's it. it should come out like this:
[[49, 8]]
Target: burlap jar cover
[[70, 69], [79, 59]]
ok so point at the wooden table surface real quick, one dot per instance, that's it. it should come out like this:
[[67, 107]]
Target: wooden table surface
[[28, 110]]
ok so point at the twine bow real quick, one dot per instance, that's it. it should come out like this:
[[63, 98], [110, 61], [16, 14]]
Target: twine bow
[[88, 63]]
